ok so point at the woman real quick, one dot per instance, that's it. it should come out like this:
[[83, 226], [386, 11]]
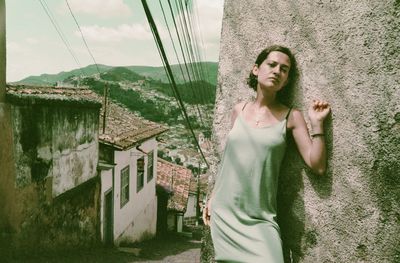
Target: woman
[[242, 207]]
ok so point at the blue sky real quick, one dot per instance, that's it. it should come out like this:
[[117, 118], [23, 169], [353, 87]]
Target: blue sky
[[116, 31]]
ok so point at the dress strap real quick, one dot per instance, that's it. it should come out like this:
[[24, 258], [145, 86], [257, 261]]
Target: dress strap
[[286, 118], [244, 106], [287, 115]]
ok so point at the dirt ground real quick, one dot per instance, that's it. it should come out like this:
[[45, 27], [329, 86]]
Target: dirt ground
[[175, 248]]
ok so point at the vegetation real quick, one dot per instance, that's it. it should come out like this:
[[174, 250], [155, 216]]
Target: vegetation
[[147, 108], [199, 92]]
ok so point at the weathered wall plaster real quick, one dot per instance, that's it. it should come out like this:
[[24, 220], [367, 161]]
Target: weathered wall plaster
[[57, 142], [55, 189], [348, 54]]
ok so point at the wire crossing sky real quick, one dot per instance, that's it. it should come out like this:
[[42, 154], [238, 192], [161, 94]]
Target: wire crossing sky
[[170, 74], [115, 30]]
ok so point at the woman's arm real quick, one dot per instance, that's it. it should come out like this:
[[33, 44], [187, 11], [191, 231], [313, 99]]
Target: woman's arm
[[312, 150]]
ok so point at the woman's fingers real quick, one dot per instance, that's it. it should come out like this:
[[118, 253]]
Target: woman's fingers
[[319, 105]]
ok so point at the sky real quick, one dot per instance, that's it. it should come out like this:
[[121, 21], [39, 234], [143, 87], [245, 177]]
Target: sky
[[116, 31]]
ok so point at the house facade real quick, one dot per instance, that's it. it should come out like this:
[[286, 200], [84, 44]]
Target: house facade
[[128, 172]]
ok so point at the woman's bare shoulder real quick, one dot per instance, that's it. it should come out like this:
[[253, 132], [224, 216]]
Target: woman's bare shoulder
[[236, 110], [239, 106], [295, 118]]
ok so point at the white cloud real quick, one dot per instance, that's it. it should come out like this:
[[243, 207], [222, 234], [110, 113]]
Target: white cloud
[[210, 13], [121, 32], [32, 40], [115, 34], [13, 47], [100, 8]]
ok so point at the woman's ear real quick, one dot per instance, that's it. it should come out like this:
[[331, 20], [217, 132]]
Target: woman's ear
[[255, 70]]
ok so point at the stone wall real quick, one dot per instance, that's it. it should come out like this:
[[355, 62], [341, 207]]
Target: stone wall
[[348, 54]]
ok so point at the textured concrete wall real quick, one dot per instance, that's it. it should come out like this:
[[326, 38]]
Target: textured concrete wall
[[348, 54]]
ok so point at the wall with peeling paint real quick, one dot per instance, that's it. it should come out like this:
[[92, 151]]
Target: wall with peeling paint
[[56, 188], [348, 54], [55, 143]]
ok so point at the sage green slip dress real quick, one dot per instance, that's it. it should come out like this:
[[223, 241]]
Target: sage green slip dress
[[243, 207]]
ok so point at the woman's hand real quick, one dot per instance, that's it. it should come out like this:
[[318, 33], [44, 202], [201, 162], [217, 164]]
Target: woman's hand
[[207, 213], [318, 111]]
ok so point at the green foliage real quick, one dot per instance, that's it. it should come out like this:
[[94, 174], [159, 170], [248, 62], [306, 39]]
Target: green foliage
[[132, 100], [199, 92]]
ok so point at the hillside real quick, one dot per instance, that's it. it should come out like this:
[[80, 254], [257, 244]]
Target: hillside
[[52, 79], [155, 73]]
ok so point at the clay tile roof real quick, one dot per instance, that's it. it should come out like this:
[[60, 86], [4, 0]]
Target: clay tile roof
[[51, 95], [124, 129], [177, 178]]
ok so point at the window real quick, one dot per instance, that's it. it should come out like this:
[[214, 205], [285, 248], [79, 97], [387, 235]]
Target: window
[[150, 165], [124, 186], [140, 174]]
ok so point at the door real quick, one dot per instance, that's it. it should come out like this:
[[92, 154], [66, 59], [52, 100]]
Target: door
[[108, 218]]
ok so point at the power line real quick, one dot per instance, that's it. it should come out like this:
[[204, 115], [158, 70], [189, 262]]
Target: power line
[[168, 68], [60, 33], [189, 47], [180, 64], [187, 58], [83, 38]]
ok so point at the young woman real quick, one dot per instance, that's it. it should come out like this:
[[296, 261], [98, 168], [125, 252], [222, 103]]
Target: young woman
[[242, 209]]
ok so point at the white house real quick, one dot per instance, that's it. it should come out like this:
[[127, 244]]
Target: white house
[[128, 171]]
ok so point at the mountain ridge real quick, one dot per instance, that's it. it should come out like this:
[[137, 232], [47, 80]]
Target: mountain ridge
[[156, 73]]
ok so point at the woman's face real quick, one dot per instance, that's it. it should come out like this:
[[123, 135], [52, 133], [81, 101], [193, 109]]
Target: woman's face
[[273, 72]]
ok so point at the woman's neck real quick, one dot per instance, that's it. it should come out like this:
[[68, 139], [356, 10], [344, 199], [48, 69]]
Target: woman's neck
[[265, 100]]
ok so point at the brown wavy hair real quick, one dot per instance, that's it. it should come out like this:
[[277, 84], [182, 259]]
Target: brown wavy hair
[[286, 92]]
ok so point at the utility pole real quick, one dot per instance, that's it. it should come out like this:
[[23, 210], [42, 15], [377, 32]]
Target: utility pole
[[7, 168], [2, 51], [105, 106], [198, 197]]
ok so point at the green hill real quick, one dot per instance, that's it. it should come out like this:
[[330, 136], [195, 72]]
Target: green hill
[[156, 73], [120, 74], [51, 79], [210, 70]]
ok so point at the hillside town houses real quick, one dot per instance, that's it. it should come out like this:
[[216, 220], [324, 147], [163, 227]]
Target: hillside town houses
[[85, 178]]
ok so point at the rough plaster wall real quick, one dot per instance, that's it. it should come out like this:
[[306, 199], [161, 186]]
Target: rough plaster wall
[[348, 53], [41, 221], [67, 222], [7, 173], [55, 142], [142, 227]]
